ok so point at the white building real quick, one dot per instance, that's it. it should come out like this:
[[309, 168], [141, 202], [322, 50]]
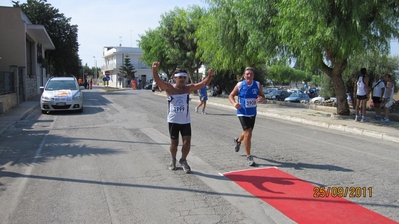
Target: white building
[[113, 59]]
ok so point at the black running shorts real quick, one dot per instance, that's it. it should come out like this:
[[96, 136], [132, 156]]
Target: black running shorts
[[247, 122], [175, 129]]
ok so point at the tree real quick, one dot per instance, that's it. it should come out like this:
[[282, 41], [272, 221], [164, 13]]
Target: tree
[[127, 69], [280, 74], [234, 35], [179, 27], [64, 60], [155, 48], [327, 34]]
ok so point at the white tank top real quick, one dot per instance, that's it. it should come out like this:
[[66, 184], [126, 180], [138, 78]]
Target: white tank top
[[392, 93], [361, 87], [178, 109]]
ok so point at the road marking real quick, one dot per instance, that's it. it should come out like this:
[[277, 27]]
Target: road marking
[[254, 208]]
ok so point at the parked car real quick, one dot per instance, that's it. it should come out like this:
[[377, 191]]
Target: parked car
[[348, 98], [148, 86], [154, 86], [61, 94], [317, 99], [297, 97], [278, 95], [268, 90], [295, 91]]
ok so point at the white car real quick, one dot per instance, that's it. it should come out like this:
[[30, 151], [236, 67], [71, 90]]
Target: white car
[[61, 94], [317, 99]]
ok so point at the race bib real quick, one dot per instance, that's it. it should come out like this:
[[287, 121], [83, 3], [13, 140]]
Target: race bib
[[179, 109], [250, 103]]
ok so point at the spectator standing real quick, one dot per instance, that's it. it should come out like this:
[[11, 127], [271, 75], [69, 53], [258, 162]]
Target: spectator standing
[[377, 88], [86, 84], [249, 93], [388, 97], [361, 91], [215, 90]]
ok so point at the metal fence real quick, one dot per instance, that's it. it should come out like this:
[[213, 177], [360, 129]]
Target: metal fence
[[7, 83]]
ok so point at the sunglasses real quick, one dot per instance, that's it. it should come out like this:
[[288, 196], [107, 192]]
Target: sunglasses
[[181, 77]]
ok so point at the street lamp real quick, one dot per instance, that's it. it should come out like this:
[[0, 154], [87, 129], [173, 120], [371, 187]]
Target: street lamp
[[95, 63], [131, 43]]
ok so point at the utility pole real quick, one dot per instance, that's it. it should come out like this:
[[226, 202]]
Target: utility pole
[[131, 43], [95, 74]]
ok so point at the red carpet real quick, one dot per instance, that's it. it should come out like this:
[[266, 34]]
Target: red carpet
[[295, 198]]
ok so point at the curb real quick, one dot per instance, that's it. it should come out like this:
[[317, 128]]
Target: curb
[[338, 127]]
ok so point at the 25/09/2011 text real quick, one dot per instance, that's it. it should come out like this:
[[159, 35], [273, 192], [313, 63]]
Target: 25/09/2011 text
[[342, 192]]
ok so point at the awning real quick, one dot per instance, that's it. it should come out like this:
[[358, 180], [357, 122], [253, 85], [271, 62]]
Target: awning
[[40, 35]]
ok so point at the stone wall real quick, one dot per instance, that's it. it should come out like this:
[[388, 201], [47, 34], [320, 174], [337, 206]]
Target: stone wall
[[8, 102], [31, 87]]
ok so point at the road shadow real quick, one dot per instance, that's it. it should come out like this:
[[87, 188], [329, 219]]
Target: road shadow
[[301, 166]]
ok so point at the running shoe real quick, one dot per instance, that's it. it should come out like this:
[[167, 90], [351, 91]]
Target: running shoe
[[172, 165], [376, 117], [364, 120], [196, 110], [385, 120], [185, 166], [357, 118], [238, 144], [203, 112], [250, 161]]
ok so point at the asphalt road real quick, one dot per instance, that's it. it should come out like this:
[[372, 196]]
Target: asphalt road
[[109, 165]]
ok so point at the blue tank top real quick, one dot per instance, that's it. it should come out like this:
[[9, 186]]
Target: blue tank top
[[203, 91], [247, 95]]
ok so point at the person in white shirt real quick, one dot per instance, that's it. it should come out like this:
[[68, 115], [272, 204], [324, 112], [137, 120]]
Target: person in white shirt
[[361, 92], [378, 89], [388, 97]]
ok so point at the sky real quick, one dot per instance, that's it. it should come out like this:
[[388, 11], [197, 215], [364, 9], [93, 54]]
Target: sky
[[113, 22]]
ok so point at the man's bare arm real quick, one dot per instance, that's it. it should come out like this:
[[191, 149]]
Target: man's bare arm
[[162, 84], [204, 82]]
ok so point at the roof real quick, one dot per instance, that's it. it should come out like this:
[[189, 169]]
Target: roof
[[39, 33]]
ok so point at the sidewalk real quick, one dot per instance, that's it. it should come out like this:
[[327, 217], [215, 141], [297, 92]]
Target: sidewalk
[[321, 117], [10, 117]]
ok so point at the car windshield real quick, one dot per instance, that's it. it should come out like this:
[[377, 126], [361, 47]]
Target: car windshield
[[61, 84]]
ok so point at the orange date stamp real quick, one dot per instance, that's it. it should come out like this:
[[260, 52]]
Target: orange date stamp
[[342, 192]]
